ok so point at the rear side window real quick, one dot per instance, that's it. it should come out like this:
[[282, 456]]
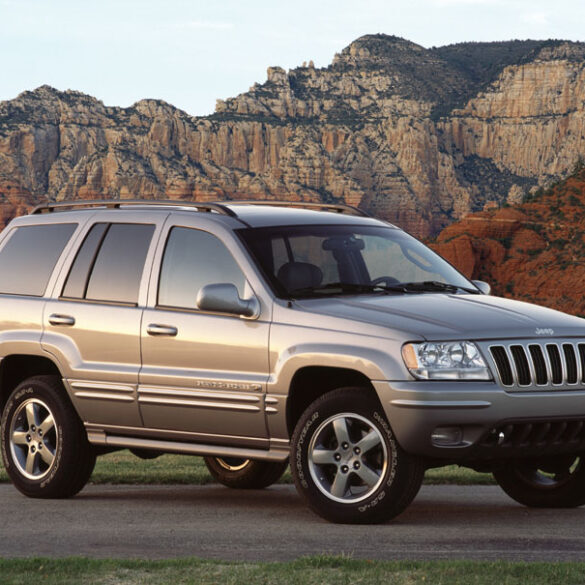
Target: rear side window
[[29, 257], [109, 264]]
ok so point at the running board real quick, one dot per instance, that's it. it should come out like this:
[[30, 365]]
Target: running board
[[275, 453]]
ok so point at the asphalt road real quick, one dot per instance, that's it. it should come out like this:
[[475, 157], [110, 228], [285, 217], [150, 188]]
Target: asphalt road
[[444, 522]]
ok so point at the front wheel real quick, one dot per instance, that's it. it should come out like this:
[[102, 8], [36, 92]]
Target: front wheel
[[235, 472], [546, 483], [346, 463], [44, 444]]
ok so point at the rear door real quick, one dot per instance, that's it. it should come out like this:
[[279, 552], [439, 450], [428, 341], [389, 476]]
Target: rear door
[[93, 327]]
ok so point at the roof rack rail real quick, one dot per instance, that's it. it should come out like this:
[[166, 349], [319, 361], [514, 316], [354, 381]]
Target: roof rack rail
[[336, 207], [218, 207], [117, 203]]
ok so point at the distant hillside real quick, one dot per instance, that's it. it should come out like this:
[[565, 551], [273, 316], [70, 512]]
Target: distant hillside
[[418, 136], [534, 251]]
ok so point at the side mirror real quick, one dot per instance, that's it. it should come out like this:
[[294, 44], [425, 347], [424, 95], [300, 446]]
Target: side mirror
[[224, 298], [484, 287]]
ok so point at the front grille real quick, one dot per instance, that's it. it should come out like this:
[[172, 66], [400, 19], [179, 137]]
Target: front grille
[[571, 361], [529, 365], [537, 356], [503, 365], [555, 363]]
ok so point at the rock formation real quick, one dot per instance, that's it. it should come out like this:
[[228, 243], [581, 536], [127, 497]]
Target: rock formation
[[533, 252], [418, 136]]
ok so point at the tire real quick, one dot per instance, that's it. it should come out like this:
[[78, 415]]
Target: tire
[[44, 444], [238, 473], [557, 482], [346, 463]]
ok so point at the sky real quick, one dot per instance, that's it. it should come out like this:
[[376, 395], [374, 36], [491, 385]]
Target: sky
[[192, 52]]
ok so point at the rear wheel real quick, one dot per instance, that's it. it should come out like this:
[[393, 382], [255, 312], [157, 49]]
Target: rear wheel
[[545, 483], [346, 462], [235, 472], [44, 444]]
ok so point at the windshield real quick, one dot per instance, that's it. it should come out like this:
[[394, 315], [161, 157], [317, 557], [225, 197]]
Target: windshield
[[315, 261]]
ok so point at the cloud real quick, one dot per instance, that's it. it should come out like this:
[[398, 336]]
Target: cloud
[[207, 25]]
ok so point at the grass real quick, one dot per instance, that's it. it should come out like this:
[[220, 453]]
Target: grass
[[122, 467], [455, 475], [319, 570]]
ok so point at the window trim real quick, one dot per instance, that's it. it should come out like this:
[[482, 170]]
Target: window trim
[[97, 302]]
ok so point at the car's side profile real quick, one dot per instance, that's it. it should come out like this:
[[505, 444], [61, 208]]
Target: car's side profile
[[261, 334]]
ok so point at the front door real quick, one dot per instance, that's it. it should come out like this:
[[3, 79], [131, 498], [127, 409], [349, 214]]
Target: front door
[[203, 374]]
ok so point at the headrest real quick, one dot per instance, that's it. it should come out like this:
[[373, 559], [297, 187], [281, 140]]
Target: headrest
[[295, 275]]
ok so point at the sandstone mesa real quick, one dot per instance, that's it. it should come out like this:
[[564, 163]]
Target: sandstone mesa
[[421, 137]]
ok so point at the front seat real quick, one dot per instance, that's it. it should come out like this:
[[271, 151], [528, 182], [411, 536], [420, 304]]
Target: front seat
[[297, 275]]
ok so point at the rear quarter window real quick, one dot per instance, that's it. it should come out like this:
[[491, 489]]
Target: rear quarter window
[[28, 258]]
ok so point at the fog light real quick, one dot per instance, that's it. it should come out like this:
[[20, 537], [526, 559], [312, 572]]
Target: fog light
[[447, 436]]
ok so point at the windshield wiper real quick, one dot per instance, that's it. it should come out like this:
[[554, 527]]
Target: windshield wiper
[[402, 287], [428, 286]]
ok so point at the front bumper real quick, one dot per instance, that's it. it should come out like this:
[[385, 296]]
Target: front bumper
[[494, 424]]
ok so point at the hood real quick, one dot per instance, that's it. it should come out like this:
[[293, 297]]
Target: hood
[[437, 316]]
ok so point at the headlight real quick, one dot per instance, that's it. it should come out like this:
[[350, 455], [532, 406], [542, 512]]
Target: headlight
[[454, 360]]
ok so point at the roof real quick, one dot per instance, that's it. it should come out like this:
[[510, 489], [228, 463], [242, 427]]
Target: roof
[[250, 213], [271, 215]]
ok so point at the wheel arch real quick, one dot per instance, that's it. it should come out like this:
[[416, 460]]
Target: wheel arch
[[16, 368], [311, 382]]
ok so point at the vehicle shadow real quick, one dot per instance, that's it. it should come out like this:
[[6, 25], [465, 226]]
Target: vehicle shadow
[[435, 505], [157, 521]]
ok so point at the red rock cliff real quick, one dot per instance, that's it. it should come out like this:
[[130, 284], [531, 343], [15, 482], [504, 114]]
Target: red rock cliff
[[534, 251], [420, 137]]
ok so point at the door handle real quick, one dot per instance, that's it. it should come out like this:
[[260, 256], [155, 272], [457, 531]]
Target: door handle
[[61, 320], [161, 330]]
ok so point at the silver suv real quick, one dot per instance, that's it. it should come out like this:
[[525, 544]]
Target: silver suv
[[255, 335]]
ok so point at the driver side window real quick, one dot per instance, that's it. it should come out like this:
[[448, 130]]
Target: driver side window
[[193, 259]]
